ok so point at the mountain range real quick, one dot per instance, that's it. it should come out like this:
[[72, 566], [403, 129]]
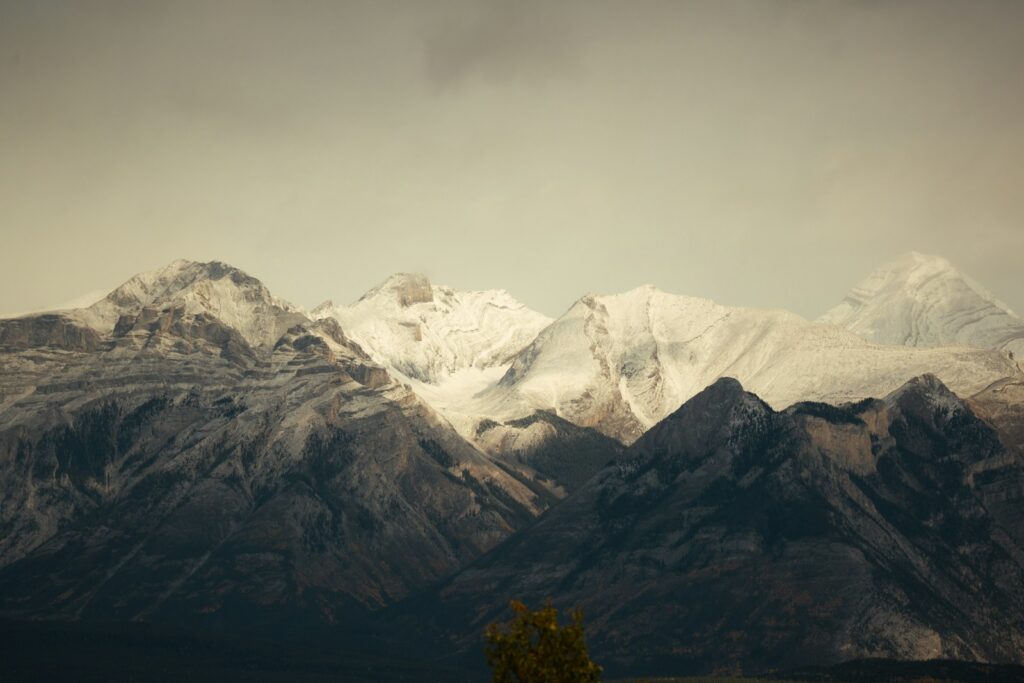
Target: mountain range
[[733, 538], [192, 450], [159, 460], [623, 362]]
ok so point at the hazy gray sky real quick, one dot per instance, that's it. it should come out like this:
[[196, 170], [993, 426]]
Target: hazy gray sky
[[766, 153]]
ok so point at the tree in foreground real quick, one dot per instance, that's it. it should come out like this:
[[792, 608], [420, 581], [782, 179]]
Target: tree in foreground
[[533, 648]]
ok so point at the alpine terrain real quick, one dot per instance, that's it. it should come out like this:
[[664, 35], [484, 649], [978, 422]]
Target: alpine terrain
[[921, 300], [449, 345], [191, 449], [622, 363], [191, 452], [734, 538]]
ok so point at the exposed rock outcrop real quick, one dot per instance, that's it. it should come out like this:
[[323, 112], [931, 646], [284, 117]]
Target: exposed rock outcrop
[[555, 451], [179, 467], [48, 330], [406, 289], [733, 538]]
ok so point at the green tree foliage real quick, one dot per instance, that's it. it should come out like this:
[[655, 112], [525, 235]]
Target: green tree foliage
[[533, 648]]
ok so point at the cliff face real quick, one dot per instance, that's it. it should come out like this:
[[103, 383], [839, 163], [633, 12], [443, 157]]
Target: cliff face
[[191, 450], [1002, 405], [735, 538], [173, 470], [50, 330]]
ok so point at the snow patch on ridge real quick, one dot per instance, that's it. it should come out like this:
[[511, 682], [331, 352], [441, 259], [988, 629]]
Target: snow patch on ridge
[[437, 336], [623, 362]]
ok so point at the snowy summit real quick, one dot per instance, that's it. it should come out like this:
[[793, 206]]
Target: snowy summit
[[922, 300]]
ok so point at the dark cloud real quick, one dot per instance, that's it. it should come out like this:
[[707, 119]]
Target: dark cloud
[[501, 41], [758, 152]]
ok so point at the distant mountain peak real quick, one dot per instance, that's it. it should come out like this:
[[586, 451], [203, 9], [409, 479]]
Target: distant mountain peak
[[917, 257], [213, 288], [924, 300], [926, 385], [430, 333], [323, 309], [643, 291], [176, 277], [727, 386], [406, 289], [926, 395], [908, 273], [714, 415]]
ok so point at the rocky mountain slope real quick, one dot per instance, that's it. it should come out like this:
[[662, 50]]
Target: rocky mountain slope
[[190, 449], [448, 345], [621, 363], [732, 537], [921, 300], [1002, 405], [555, 451]]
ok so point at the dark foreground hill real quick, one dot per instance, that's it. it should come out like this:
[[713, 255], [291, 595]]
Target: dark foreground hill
[[86, 652], [732, 538], [892, 671], [89, 652]]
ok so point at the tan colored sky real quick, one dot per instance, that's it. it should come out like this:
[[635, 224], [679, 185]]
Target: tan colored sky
[[759, 152]]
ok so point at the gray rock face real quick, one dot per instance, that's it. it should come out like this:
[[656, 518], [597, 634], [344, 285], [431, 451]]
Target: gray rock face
[[733, 538], [1002, 406], [49, 330], [174, 471], [187, 331], [406, 288], [557, 452], [215, 289]]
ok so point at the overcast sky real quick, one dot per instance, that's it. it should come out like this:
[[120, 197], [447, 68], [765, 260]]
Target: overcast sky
[[763, 153]]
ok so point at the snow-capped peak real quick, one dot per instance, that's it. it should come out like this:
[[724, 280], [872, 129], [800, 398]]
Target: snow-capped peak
[[623, 362], [162, 283], [215, 288], [915, 274], [433, 334], [322, 310], [923, 300], [403, 289]]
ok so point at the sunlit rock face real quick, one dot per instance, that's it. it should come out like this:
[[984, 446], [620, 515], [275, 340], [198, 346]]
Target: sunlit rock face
[[193, 450], [731, 537], [49, 330]]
